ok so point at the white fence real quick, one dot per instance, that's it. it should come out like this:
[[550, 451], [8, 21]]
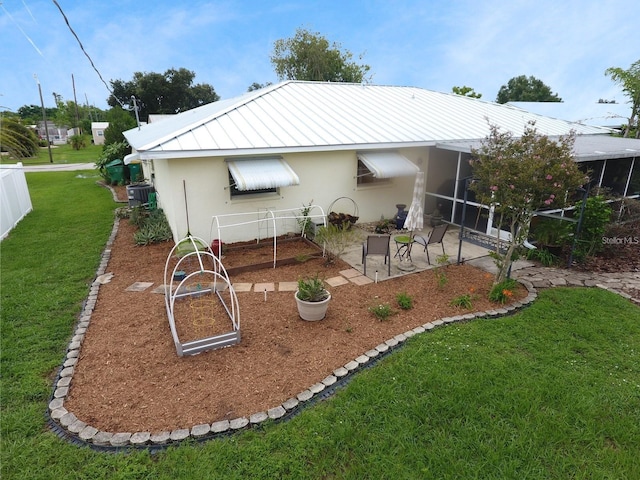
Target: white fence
[[15, 201]]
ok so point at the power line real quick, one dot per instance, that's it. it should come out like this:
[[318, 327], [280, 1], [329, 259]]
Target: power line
[[86, 54]]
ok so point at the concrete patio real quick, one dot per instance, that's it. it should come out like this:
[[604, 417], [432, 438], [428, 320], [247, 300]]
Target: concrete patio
[[376, 265]]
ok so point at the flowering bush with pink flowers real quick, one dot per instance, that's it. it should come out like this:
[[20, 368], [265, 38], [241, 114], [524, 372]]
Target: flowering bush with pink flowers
[[517, 176]]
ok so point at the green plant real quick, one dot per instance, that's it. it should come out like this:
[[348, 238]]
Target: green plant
[[137, 216], [381, 311], [464, 301], [384, 226], [336, 239], [596, 216], [405, 301], [78, 142], [440, 272], [304, 220], [503, 292], [543, 255], [552, 232], [153, 228], [312, 289]]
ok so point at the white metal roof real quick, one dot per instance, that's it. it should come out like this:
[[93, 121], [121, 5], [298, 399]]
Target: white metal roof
[[295, 116], [585, 148], [611, 115]]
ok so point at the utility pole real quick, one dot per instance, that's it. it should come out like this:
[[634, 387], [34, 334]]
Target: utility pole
[[75, 100], [44, 118], [135, 108]]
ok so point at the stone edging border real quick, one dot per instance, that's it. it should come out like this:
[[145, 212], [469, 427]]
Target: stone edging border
[[66, 425]]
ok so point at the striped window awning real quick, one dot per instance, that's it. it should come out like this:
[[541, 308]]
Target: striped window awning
[[262, 173], [388, 164]]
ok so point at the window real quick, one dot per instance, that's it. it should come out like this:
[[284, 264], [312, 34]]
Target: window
[[235, 192], [365, 176]]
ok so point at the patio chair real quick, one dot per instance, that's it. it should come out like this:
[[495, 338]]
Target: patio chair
[[377, 245], [436, 236]]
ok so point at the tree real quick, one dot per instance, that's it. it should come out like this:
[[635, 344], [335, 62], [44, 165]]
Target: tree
[[309, 56], [466, 92], [630, 81], [16, 139], [257, 86], [517, 176], [170, 92], [523, 89], [119, 121], [32, 114]]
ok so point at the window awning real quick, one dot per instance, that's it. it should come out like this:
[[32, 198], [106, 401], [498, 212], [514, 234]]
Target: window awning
[[388, 164], [262, 173]]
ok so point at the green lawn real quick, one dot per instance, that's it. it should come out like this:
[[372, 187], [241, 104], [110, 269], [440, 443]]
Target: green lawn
[[61, 154], [550, 393]]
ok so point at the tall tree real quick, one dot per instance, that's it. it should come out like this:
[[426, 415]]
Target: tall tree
[[517, 176], [466, 92], [526, 89], [310, 56], [32, 114], [119, 121], [170, 92], [630, 81]]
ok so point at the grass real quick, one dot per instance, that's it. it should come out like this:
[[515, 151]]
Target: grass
[[61, 154], [550, 393]]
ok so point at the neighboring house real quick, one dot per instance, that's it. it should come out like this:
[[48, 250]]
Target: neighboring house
[[97, 132], [340, 145], [57, 134]]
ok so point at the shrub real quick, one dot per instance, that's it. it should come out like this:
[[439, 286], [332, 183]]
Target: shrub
[[336, 239], [153, 228], [382, 311], [596, 216], [464, 301], [543, 255], [405, 301]]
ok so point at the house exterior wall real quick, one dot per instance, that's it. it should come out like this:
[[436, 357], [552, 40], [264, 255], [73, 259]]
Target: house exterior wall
[[324, 178], [97, 132]]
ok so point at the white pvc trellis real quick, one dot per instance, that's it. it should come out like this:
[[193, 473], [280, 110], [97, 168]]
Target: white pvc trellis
[[269, 217], [193, 250]]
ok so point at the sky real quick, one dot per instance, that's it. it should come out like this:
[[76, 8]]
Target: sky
[[568, 44]]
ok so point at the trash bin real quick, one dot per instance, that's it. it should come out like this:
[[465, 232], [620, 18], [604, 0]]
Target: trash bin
[[135, 172], [115, 170]]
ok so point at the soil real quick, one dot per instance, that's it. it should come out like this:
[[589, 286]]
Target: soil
[[129, 377]]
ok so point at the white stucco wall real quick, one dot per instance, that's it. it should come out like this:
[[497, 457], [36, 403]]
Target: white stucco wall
[[324, 177]]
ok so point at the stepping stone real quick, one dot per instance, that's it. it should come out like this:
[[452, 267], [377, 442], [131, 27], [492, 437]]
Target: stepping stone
[[261, 287], [287, 286], [138, 287], [352, 272], [361, 280], [337, 281], [242, 287], [105, 278], [160, 289]]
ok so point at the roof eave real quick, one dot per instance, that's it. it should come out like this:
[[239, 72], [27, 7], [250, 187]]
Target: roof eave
[[237, 152]]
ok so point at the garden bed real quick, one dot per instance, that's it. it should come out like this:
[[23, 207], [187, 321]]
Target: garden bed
[[130, 379]]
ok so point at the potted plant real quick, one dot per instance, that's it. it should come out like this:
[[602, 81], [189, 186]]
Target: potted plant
[[312, 298]]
